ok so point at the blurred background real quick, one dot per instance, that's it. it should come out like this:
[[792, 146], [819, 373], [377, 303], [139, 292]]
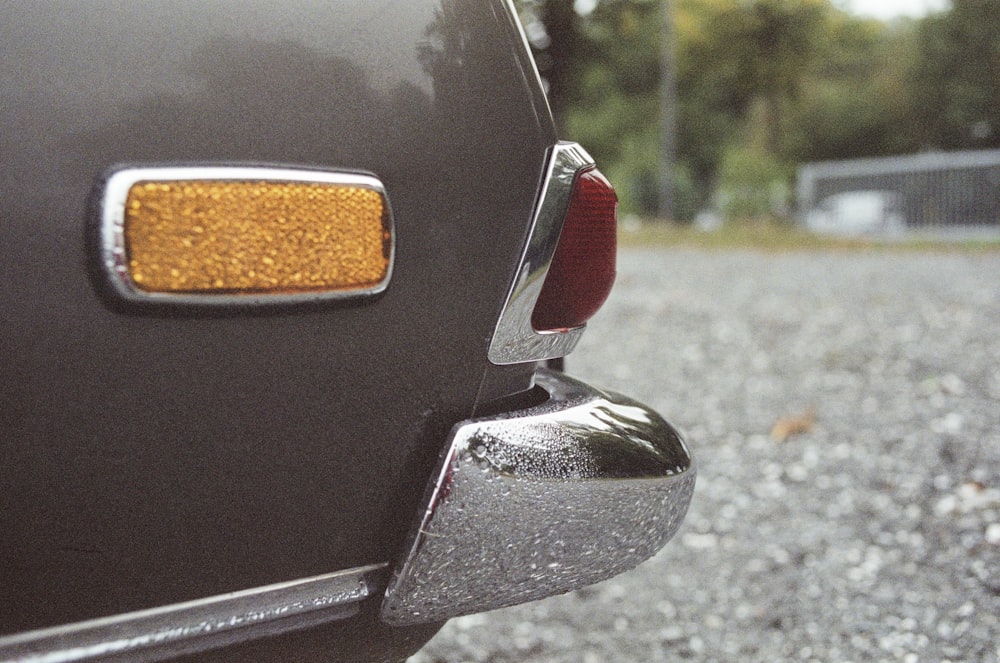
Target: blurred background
[[710, 107]]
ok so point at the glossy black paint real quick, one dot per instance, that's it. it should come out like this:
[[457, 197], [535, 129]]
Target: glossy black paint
[[150, 459]]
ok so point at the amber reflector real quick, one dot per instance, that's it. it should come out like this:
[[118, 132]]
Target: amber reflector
[[204, 236], [583, 266]]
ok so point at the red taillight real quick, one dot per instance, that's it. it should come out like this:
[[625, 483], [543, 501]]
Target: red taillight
[[583, 268]]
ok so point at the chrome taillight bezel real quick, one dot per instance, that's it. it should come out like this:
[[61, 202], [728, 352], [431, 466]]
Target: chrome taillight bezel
[[515, 340]]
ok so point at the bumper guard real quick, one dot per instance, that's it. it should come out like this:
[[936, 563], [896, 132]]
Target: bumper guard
[[540, 502]]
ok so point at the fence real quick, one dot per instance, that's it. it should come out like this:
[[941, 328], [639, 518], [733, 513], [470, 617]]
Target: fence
[[933, 191]]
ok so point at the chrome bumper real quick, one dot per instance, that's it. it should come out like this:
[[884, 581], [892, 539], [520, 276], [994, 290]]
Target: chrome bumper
[[540, 502]]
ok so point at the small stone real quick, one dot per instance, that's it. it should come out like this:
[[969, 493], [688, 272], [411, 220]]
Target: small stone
[[700, 541], [949, 424], [671, 633], [952, 384]]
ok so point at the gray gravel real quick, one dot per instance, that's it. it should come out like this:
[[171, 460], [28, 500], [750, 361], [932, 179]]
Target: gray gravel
[[873, 536]]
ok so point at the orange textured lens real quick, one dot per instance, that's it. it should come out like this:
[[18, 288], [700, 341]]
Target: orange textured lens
[[205, 236]]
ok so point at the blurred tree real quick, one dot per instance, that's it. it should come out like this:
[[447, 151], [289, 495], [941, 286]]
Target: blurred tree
[[761, 86], [773, 43], [752, 184], [741, 68], [618, 107], [854, 102], [712, 90], [600, 61], [956, 77]]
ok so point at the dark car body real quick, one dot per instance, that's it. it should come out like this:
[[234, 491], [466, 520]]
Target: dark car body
[[170, 455]]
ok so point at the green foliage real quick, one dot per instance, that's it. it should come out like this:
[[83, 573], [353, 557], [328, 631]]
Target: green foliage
[[956, 77], [854, 103], [753, 185], [760, 86], [686, 194], [617, 116]]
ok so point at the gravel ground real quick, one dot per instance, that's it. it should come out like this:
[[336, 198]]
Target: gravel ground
[[871, 535]]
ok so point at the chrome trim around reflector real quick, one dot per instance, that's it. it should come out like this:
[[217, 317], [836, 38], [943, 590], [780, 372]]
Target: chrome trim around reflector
[[112, 195], [540, 502], [196, 626], [514, 339]]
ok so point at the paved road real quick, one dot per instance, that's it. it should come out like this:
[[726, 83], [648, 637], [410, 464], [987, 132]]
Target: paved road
[[873, 535]]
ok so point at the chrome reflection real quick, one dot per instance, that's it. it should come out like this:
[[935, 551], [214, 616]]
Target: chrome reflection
[[514, 339], [546, 500], [195, 626]]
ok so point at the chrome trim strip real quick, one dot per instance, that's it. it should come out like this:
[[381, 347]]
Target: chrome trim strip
[[541, 502], [112, 230], [535, 84], [514, 339], [198, 625]]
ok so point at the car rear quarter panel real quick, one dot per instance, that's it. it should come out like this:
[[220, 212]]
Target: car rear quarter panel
[[151, 457]]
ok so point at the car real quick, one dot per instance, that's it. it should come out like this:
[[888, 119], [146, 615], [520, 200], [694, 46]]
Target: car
[[285, 287], [858, 212]]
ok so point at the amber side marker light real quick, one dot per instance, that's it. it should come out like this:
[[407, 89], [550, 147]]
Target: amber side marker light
[[217, 235]]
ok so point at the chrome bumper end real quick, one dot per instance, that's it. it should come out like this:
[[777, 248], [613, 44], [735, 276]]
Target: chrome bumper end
[[540, 502]]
